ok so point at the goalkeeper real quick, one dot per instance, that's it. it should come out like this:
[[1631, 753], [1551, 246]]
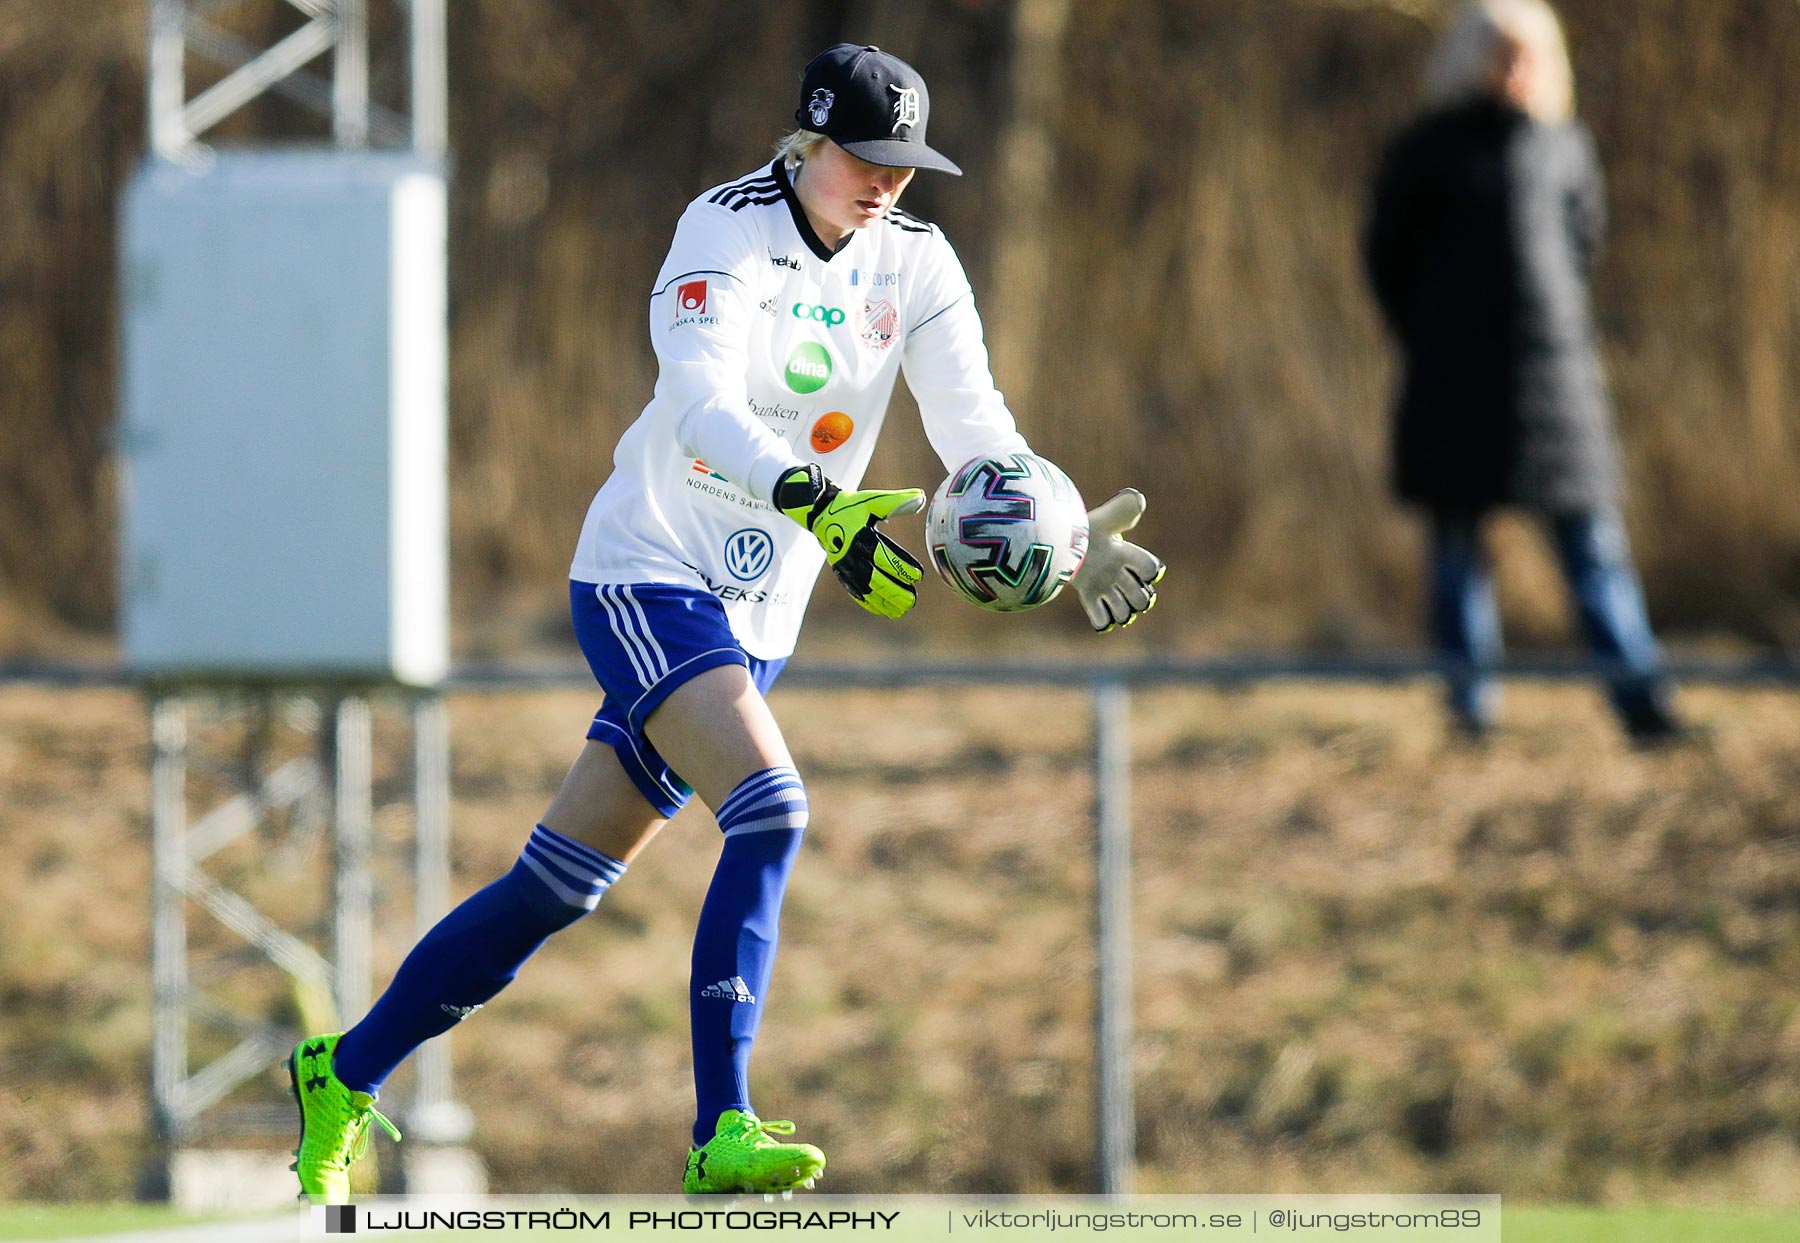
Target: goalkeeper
[[789, 301]]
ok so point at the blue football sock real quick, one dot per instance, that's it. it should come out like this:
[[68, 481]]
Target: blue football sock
[[474, 952], [734, 945]]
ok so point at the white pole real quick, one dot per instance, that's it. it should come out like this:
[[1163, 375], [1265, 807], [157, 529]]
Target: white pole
[[1112, 933], [166, 84], [430, 94], [168, 919], [354, 888], [350, 76], [436, 1116]]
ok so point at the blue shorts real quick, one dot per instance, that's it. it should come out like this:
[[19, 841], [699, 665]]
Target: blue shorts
[[642, 640]]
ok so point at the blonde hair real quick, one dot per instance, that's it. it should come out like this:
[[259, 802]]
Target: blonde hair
[[793, 147], [1465, 56]]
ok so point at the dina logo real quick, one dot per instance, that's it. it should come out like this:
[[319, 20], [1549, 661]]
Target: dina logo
[[818, 108], [748, 554], [808, 367], [906, 106]]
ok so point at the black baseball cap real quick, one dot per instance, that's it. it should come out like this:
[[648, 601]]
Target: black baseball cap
[[872, 104]]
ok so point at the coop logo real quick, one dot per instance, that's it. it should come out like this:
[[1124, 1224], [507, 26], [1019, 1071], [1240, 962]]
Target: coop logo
[[459, 1013], [830, 316], [808, 367], [340, 1219], [748, 554]]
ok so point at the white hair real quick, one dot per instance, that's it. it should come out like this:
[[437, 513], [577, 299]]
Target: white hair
[[1464, 59], [793, 147]]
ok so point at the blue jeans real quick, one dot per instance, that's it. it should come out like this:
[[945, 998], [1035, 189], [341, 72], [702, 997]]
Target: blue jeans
[[1465, 621]]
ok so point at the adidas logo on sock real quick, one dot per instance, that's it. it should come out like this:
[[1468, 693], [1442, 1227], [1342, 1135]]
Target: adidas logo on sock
[[733, 989], [460, 1012]]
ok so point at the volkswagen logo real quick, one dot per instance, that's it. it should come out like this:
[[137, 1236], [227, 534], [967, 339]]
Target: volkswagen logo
[[748, 554]]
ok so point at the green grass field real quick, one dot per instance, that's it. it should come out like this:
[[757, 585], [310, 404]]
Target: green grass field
[[1647, 1225], [67, 1221]]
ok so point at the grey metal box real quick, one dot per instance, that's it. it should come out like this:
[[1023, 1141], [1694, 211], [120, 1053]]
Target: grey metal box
[[283, 433]]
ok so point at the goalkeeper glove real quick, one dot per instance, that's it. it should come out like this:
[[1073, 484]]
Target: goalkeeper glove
[[1117, 581], [876, 571]]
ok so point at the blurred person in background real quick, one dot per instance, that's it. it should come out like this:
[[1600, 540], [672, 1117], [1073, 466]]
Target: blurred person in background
[[789, 302], [1487, 213]]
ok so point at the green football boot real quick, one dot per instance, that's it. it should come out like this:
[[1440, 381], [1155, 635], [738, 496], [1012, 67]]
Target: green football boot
[[744, 1155], [334, 1122]]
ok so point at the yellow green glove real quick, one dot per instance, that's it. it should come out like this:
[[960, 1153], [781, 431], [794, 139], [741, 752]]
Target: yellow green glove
[[878, 573]]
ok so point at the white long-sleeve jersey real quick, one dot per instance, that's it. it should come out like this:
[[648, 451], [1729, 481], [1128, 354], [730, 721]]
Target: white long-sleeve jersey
[[775, 352]]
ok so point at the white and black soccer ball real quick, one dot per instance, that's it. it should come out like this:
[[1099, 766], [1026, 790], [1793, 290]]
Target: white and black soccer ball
[[1006, 532]]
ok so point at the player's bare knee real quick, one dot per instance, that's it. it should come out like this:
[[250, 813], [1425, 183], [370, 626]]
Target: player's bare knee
[[598, 805]]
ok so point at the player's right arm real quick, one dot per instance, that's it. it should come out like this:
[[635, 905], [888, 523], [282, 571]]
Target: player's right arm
[[945, 360], [700, 323], [947, 370]]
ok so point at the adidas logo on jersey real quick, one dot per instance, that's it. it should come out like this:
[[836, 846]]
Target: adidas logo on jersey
[[733, 989], [459, 1012]]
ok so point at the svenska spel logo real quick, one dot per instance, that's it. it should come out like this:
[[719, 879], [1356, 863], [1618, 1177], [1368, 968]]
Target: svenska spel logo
[[690, 299], [748, 553], [808, 367]]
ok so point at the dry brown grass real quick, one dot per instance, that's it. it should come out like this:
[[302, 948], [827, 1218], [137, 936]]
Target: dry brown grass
[[1209, 339], [1558, 968]]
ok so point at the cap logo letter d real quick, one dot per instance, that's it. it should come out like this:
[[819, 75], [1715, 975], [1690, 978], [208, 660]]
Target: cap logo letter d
[[906, 106]]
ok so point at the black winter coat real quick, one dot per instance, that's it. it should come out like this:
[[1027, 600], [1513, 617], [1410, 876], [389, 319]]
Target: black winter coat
[[1478, 247]]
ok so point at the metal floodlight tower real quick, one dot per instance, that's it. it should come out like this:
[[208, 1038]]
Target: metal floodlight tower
[[180, 28], [236, 401]]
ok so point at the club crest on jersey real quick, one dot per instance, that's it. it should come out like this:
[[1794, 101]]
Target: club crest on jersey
[[880, 323], [818, 108], [906, 106], [748, 553]]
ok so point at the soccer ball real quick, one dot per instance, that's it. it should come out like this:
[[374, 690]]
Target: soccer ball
[[1007, 532]]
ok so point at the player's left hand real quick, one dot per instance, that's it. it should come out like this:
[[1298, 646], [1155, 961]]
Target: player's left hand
[[1117, 580]]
